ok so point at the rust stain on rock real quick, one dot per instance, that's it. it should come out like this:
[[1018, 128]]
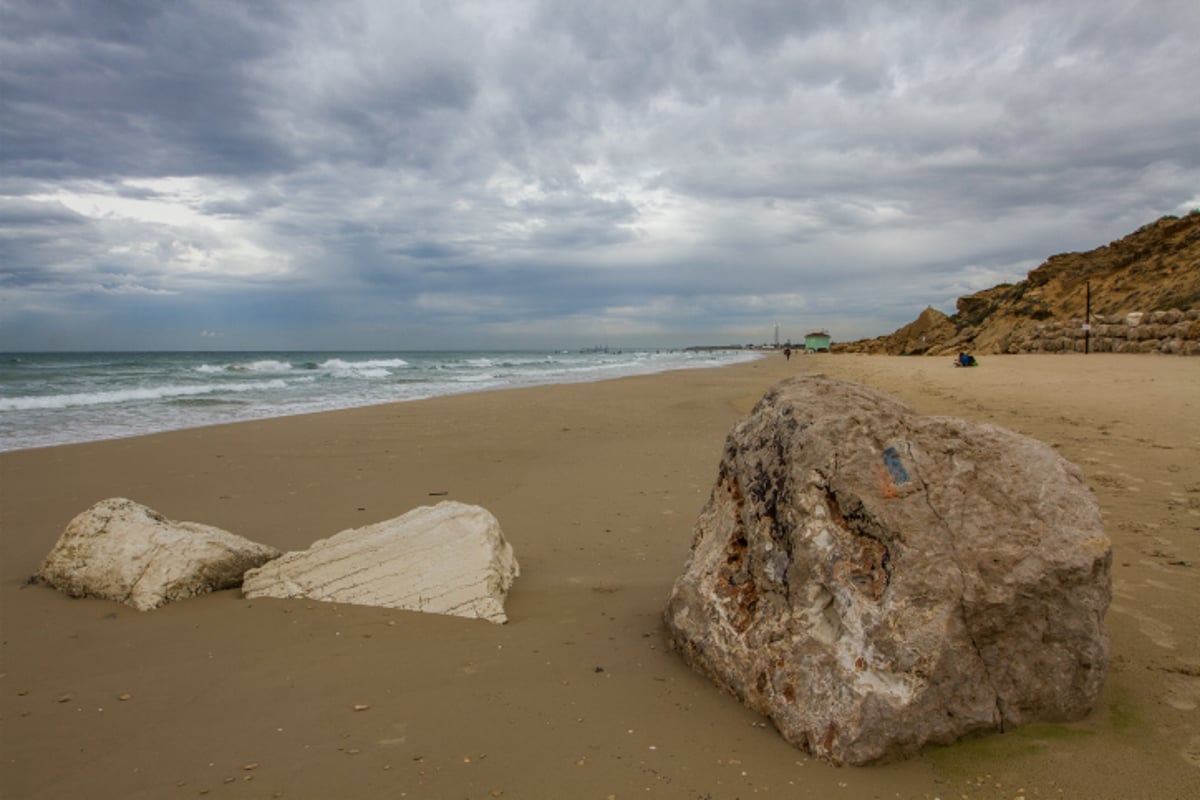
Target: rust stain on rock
[[827, 742], [885, 484], [864, 567], [740, 598]]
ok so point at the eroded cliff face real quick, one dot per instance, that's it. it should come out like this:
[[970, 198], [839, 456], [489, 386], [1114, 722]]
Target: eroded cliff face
[[1145, 297]]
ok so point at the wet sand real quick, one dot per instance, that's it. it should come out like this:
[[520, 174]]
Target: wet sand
[[597, 487]]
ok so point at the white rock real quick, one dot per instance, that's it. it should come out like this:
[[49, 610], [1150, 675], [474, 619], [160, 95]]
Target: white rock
[[121, 550], [451, 558]]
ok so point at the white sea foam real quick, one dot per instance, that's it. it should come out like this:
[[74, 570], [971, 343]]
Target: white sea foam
[[62, 398], [127, 395], [266, 365], [262, 365], [360, 366]]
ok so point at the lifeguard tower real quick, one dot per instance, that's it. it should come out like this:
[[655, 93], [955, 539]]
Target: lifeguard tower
[[816, 342]]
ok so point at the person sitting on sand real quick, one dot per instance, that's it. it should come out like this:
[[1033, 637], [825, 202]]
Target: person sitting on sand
[[965, 360]]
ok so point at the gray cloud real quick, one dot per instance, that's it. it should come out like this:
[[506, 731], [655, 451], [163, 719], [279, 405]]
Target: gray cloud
[[134, 89], [382, 174]]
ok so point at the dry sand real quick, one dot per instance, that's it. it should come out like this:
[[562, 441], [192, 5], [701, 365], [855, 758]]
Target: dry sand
[[597, 487]]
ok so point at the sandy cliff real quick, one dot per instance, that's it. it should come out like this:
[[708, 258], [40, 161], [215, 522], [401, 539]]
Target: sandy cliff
[[1145, 297]]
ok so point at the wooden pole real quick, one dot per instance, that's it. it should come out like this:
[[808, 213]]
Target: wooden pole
[[1087, 321]]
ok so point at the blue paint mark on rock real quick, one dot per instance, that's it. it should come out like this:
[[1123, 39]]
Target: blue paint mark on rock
[[895, 468]]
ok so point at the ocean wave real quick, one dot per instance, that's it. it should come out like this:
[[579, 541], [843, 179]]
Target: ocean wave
[[360, 366], [505, 362], [51, 401], [79, 399], [370, 368], [204, 402], [264, 365]]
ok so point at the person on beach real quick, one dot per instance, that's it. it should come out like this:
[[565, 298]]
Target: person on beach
[[965, 360], [787, 353]]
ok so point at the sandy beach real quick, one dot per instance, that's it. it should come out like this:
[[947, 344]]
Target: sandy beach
[[597, 487]]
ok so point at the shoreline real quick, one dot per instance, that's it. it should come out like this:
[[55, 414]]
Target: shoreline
[[597, 486], [79, 398]]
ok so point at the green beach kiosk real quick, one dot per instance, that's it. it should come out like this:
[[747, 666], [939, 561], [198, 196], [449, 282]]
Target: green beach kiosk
[[816, 342]]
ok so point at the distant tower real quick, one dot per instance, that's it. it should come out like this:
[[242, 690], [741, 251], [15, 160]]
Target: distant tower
[[777, 334]]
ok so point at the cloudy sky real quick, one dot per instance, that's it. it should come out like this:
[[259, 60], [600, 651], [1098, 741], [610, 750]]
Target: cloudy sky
[[382, 174]]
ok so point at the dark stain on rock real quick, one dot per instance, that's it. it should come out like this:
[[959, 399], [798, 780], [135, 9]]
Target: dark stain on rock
[[863, 559]]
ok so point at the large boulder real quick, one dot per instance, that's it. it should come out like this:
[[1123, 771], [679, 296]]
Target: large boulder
[[874, 580], [451, 558], [121, 550]]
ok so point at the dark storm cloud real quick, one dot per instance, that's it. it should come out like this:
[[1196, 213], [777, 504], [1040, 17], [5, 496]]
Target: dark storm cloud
[[403, 173], [134, 89], [35, 237]]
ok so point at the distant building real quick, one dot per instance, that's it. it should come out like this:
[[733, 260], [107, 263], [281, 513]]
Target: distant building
[[817, 342]]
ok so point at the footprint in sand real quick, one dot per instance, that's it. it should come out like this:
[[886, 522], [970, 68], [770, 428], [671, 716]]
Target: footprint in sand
[[1183, 692], [1157, 631], [400, 737], [1158, 547], [1107, 481], [1191, 753], [1139, 527], [1166, 587]]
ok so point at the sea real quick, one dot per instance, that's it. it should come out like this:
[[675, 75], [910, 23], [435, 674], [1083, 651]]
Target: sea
[[62, 398]]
